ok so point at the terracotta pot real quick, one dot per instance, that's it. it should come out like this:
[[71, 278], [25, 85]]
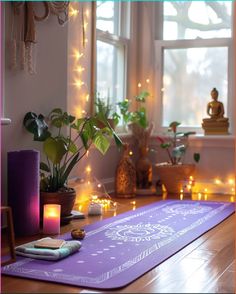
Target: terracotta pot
[[172, 176], [101, 125], [65, 199]]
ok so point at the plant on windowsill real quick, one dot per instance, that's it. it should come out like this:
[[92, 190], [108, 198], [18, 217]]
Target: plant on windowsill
[[141, 129], [175, 171], [63, 151], [104, 111]]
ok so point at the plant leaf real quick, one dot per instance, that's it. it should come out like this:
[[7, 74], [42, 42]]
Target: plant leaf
[[118, 141], [178, 151], [78, 123], [44, 167], [68, 169], [196, 157], [189, 133], [37, 126], [174, 124], [101, 142], [165, 145], [85, 137], [142, 96], [54, 149]]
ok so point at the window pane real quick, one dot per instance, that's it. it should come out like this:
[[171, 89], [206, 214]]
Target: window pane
[[188, 78], [108, 16], [110, 72], [197, 19]]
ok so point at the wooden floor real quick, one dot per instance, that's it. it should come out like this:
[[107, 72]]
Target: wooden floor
[[207, 265]]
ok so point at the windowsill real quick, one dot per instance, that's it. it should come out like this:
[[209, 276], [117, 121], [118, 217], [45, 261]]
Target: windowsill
[[201, 140], [212, 137]]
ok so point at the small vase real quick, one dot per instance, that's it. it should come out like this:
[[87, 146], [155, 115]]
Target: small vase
[[125, 183]]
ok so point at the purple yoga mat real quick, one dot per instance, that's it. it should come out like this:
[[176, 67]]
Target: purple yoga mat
[[23, 190], [118, 250]]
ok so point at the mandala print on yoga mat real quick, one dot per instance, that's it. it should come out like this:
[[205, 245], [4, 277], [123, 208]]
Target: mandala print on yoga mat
[[140, 232], [118, 250], [186, 209]]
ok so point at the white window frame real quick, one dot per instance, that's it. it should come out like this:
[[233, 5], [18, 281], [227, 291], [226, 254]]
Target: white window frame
[[161, 45], [122, 41]]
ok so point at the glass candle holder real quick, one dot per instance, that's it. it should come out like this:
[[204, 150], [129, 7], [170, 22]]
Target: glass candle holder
[[51, 219]]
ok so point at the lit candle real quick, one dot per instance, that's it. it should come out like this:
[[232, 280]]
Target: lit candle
[[51, 219]]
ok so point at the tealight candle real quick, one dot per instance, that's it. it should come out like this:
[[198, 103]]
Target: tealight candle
[[51, 219], [95, 209]]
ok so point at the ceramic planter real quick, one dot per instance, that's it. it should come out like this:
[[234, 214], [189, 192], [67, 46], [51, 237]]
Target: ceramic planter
[[65, 199], [172, 176]]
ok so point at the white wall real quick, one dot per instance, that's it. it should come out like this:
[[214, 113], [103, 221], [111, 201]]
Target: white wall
[[38, 93]]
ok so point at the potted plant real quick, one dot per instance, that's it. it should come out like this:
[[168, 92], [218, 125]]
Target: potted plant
[[141, 129], [174, 172], [65, 140], [104, 111]]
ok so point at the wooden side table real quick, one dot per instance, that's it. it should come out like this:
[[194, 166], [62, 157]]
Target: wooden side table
[[10, 234]]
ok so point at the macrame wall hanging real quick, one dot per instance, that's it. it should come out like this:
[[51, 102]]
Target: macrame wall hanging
[[23, 30]]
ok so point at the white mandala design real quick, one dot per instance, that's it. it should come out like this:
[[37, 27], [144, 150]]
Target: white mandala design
[[186, 209], [139, 233]]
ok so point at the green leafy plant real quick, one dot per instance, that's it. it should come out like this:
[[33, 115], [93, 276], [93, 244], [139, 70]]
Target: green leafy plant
[[176, 144], [63, 150], [138, 116], [104, 111]]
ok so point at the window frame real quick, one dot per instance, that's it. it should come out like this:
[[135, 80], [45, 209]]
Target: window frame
[[161, 45], [122, 40]]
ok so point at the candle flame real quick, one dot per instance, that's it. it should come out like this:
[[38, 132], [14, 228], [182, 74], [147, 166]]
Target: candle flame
[[231, 181]]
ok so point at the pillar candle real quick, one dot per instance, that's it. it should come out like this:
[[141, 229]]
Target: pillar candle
[[51, 219], [23, 190]]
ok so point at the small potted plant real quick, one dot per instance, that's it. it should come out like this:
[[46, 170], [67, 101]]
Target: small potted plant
[[175, 171], [65, 140], [141, 129], [104, 111]]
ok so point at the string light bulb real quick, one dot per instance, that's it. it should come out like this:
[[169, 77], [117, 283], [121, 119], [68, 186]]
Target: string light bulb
[[77, 55], [73, 12], [231, 181], [80, 69], [217, 181], [88, 169], [78, 84]]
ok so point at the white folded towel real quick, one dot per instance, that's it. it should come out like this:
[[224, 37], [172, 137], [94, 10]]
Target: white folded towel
[[28, 250]]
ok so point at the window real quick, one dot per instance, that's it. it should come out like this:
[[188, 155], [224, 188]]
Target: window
[[112, 42], [194, 57]]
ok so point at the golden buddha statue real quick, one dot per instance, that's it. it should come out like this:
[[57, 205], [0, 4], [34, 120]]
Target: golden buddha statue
[[217, 124]]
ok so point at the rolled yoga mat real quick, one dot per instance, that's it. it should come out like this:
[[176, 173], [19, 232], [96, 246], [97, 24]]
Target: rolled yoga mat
[[23, 190]]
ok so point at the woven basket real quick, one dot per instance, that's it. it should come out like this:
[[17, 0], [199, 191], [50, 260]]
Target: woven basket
[[172, 176]]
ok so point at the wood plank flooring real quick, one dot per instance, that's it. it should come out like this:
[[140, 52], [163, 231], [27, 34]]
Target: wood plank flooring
[[207, 265]]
